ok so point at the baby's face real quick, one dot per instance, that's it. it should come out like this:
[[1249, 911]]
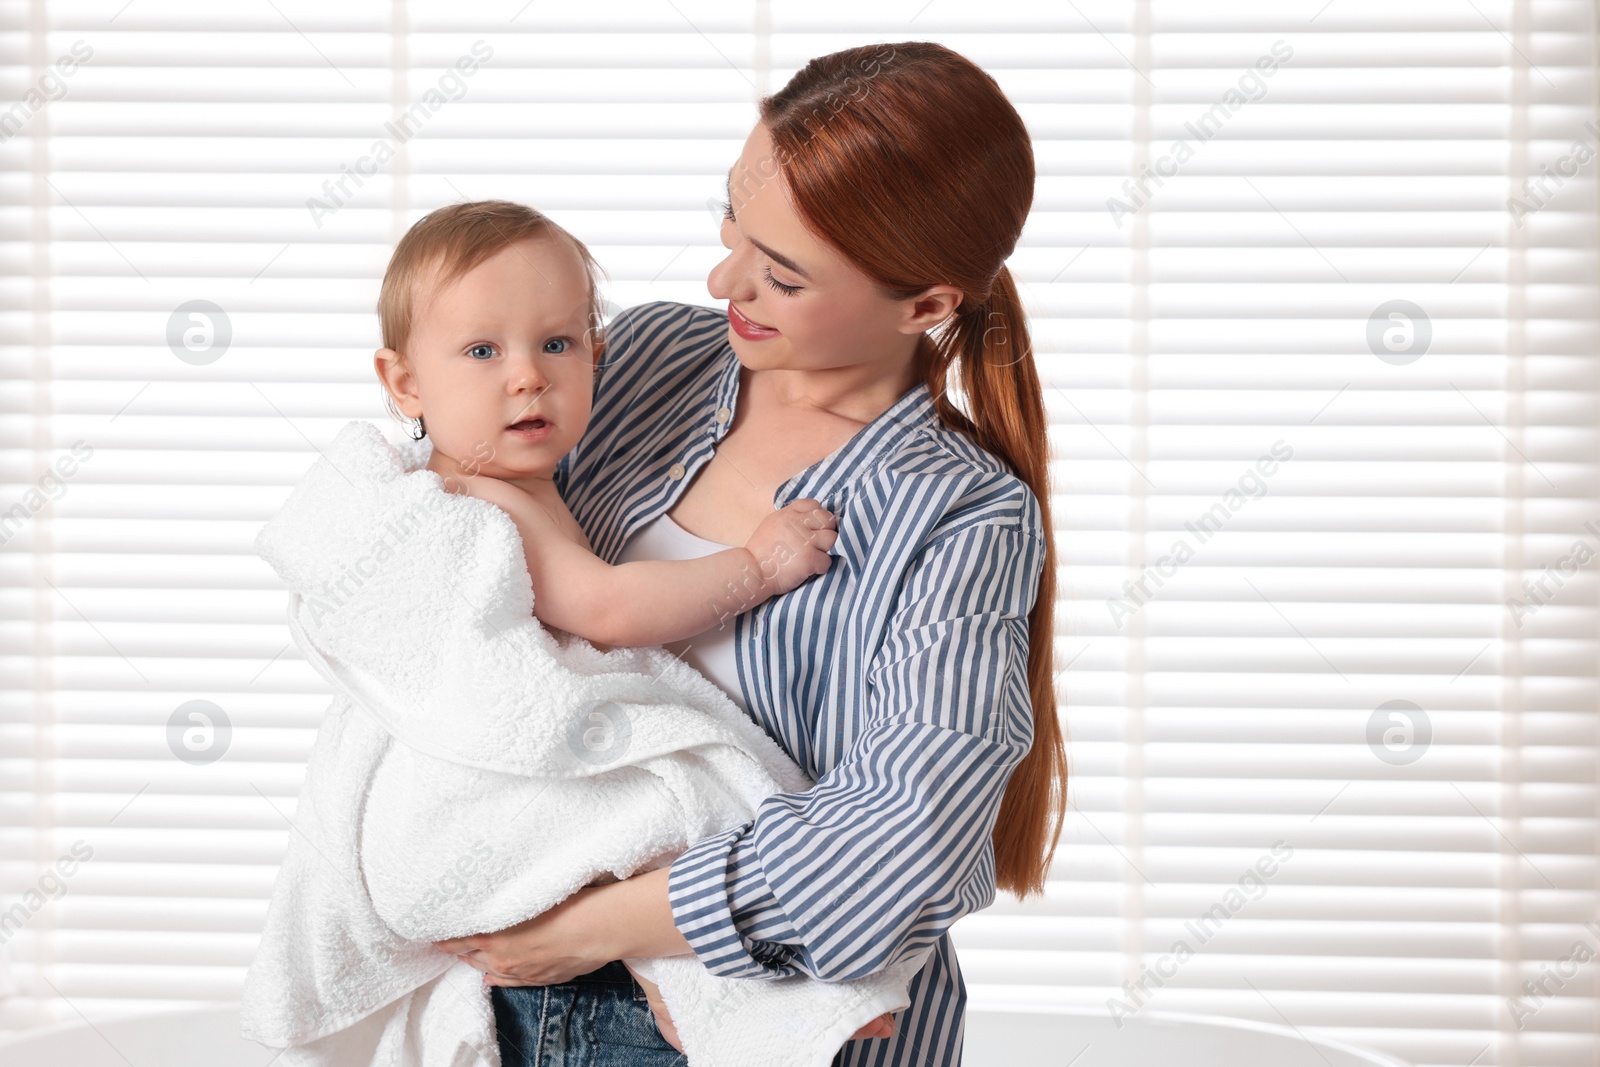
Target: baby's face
[[503, 361]]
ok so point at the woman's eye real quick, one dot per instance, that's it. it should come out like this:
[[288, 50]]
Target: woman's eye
[[557, 346], [786, 290], [481, 351], [727, 211]]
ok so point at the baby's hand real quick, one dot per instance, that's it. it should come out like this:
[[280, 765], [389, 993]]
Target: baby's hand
[[791, 544]]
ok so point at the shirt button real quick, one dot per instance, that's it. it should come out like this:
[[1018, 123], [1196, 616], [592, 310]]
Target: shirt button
[[676, 471], [723, 414]]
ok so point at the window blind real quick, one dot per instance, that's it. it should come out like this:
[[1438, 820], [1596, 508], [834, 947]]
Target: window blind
[[1325, 403], [1313, 295]]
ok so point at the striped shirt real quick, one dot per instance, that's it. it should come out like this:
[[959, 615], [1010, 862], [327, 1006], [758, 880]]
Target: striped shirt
[[897, 679]]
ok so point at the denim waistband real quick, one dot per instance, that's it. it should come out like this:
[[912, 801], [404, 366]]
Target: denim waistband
[[613, 973]]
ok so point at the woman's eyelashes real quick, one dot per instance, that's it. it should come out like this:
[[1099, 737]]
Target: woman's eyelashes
[[727, 211], [786, 290]]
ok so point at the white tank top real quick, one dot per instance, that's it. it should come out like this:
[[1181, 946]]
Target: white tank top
[[711, 653]]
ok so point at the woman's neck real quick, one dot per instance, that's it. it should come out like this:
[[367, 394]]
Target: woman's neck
[[859, 392]]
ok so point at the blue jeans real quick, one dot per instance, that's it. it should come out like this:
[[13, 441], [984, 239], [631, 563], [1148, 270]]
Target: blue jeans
[[599, 1019]]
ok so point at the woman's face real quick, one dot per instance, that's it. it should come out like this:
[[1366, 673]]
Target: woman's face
[[794, 302]]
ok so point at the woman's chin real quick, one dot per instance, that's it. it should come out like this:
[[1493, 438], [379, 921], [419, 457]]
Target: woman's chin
[[760, 355]]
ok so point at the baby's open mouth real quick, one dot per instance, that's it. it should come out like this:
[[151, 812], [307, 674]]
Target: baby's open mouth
[[528, 424]]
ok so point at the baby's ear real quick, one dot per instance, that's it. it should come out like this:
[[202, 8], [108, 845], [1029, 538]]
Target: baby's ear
[[398, 381]]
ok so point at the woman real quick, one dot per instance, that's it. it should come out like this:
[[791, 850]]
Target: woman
[[876, 200]]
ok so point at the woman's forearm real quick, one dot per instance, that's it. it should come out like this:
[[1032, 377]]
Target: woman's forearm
[[633, 918]]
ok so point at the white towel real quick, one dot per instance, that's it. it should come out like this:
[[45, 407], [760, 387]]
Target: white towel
[[473, 771]]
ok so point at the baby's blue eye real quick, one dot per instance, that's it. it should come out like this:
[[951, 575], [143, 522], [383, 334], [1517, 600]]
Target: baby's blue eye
[[557, 345], [481, 351]]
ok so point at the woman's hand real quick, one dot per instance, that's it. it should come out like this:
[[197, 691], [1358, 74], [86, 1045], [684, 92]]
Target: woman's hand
[[597, 924], [658, 1008], [589, 929], [555, 946]]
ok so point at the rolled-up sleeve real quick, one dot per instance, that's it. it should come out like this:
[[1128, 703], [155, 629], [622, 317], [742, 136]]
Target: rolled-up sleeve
[[892, 844]]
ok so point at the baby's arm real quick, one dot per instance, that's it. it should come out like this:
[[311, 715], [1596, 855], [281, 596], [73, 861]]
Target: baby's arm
[[651, 602]]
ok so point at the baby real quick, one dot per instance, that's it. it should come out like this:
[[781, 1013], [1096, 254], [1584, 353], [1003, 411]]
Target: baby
[[490, 317], [457, 638], [490, 322]]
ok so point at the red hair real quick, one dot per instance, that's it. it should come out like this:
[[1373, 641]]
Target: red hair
[[910, 161]]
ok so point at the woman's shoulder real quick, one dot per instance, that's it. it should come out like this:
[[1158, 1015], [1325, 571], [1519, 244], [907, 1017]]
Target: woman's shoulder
[[656, 308], [664, 328], [653, 343], [972, 485], [659, 362]]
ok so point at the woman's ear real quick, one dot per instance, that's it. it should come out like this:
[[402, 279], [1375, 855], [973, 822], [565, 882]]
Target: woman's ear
[[930, 307], [396, 377]]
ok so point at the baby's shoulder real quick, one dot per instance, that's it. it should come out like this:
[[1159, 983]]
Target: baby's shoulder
[[542, 516]]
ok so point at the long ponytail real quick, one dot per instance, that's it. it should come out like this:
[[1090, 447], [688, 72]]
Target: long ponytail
[[910, 160], [991, 351]]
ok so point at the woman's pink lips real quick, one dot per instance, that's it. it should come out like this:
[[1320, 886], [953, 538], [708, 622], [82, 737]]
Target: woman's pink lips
[[750, 331]]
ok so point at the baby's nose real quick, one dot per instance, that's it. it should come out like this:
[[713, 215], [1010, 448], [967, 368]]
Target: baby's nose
[[528, 379]]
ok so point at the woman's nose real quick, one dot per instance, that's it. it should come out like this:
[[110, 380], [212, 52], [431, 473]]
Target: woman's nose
[[729, 280], [717, 280], [733, 278]]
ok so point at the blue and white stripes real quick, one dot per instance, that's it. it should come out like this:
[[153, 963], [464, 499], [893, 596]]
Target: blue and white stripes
[[898, 679]]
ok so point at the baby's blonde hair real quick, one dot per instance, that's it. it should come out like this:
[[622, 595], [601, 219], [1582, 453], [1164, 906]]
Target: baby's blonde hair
[[455, 239]]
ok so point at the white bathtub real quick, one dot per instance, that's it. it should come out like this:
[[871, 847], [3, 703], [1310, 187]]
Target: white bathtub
[[1086, 1037], [210, 1038], [207, 1037]]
